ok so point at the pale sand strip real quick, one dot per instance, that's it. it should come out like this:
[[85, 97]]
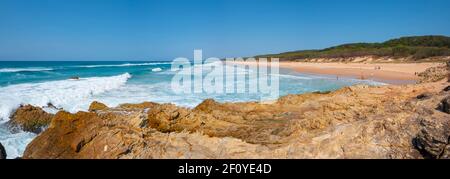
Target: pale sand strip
[[392, 73]]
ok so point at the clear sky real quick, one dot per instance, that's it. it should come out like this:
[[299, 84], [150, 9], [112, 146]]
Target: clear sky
[[165, 29]]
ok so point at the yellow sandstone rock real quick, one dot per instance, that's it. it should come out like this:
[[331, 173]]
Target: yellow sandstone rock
[[354, 122]]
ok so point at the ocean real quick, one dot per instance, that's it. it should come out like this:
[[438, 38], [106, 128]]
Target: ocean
[[114, 83]]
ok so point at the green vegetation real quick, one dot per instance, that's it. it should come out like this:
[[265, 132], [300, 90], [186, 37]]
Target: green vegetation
[[417, 48]]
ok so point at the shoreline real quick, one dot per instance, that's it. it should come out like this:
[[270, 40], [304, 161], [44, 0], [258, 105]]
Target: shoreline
[[390, 73]]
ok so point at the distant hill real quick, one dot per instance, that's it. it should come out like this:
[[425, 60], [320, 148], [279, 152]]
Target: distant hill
[[416, 48]]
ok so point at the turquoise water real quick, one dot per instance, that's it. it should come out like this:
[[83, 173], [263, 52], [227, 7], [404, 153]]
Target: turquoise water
[[113, 83]]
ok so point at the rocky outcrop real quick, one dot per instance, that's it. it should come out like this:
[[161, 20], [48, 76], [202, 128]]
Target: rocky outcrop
[[2, 152], [95, 106], [433, 140], [353, 122], [434, 74], [30, 119], [144, 105]]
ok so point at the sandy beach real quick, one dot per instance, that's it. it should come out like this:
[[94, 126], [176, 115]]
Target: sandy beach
[[391, 73]]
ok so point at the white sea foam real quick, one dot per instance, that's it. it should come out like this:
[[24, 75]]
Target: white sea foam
[[124, 65], [13, 70], [366, 82], [15, 143], [156, 69], [66, 94]]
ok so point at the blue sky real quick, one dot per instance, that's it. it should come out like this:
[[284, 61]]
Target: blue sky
[[165, 29]]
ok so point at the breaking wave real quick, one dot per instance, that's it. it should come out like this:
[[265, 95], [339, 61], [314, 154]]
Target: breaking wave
[[66, 94], [123, 65], [14, 70]]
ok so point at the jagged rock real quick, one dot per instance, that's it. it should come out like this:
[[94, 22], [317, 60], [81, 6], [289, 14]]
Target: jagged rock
[[162, 117], [144, 105], [445, 105], [433, 139], [30, 118], [433, 74], [95, 106], [63, 137], [2, 152], [51, 106], [207, 105]]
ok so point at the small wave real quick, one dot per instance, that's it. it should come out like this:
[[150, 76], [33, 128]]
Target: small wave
[[156, 69], [124, 65], [293, 77], [14, 70], [367, 82]]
